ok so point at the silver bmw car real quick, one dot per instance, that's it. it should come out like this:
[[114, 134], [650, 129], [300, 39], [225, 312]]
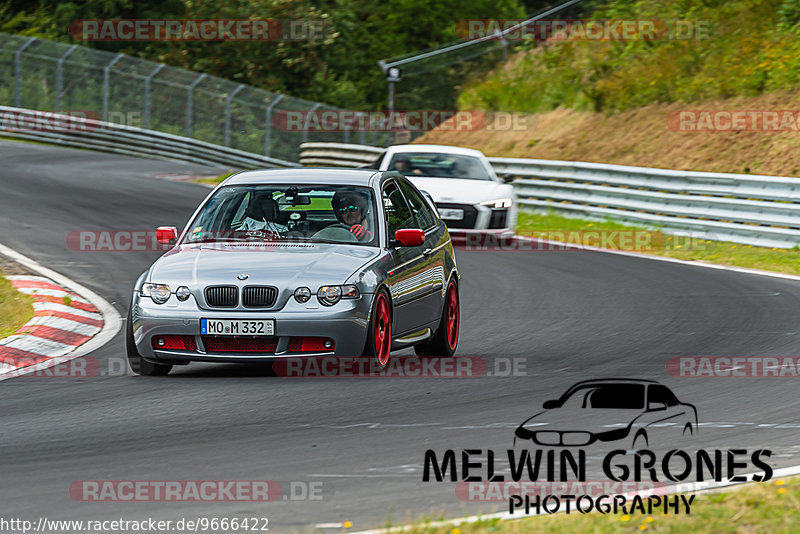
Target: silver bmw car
[[299, 262]]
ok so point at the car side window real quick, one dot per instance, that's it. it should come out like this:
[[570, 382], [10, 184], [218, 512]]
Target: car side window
[[419, 207], [658, 393], [398, 214]]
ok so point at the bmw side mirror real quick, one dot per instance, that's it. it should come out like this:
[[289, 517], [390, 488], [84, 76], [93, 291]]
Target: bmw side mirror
[[507, 178], [408, 237], [166, 235], [549, 405]]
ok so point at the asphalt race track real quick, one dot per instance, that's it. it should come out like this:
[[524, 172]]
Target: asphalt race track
[[567, 316]]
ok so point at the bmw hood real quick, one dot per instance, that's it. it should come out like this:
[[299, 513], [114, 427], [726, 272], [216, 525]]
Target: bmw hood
[[285, 266], [462, 191]]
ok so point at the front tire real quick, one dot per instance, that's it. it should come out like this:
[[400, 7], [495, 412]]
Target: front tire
[[139, 365], [445, 341], [379, 334]]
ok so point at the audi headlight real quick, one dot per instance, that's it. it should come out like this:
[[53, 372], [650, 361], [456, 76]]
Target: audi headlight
[[158, 292], [498, 203], [330, 295]]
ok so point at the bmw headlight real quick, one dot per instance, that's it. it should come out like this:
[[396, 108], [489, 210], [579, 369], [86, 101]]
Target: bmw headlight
[[498, 203], [183, 293], [158, 292], [330, 295], [302, 294]]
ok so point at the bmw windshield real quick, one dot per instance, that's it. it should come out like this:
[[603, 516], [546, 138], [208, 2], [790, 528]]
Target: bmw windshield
[[286, 212]]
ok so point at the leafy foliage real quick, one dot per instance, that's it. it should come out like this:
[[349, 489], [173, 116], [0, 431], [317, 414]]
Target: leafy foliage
[[340, 69], [751, 49]]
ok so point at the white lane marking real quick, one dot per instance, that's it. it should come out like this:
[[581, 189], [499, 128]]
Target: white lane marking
[[56, 307], [63, 324], [693, 487], [111, 319], [742, 270]]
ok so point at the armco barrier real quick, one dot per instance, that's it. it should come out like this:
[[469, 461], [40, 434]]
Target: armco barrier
[[80, 132], [755, 210], [338, 154]]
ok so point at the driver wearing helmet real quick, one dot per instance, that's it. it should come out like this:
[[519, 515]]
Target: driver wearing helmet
[[350, 209]]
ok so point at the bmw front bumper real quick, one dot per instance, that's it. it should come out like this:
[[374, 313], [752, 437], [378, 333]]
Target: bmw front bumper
[[345, 322]]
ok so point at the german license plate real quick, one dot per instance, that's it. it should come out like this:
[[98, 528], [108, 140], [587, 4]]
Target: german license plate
[[237, 327], [449, 214]]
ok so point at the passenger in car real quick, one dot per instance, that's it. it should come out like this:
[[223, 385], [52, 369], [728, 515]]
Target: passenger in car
[[263, 214]]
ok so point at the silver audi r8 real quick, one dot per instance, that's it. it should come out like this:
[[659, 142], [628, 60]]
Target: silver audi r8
[[299, 262]]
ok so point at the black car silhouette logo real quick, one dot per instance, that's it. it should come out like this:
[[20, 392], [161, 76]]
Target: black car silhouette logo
[[610, 410]]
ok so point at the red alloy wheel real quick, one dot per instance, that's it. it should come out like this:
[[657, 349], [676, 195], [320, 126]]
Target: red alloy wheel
[[452, 320], [383, 329]]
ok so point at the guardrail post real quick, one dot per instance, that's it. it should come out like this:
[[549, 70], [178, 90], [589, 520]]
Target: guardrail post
[[305, 123], [106, 82], [228, 113], [190, 103], [60, 75], [268, 123], [147, 79], [18, 69]]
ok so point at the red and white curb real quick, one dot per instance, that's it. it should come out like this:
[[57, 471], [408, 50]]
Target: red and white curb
[[69, 321]]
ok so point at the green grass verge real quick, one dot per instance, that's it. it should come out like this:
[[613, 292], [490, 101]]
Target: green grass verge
[[772, 507], [16, 308], [656, 242], [215, 181]]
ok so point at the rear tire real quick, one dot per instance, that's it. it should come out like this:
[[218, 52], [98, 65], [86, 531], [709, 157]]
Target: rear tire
[[445, 342], [139, 365], [379, 333]]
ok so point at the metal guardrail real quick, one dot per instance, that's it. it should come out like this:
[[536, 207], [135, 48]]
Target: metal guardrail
[[749, 209], [338, 154], [74, 131]]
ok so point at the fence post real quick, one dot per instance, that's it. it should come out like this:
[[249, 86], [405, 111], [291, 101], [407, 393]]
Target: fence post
[[147, 93], [106, 81], [364, 134], [308, 117], [268, 123], [60, 75], [228, 113], [190, 103], [18, 69]]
